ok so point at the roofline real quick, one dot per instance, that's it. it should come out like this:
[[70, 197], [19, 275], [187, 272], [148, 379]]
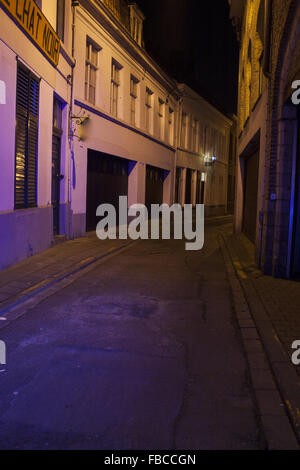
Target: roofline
[[112, 25], [183, 86]]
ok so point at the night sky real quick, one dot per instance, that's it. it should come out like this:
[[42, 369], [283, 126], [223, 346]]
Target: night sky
[[193, 40]]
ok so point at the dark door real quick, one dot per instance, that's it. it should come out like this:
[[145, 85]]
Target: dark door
[[56, 145], [177, 184], [202, 192], [295, 261], [154, 185], [198, 188], [188, 185], [56, 162], [250, 196], [107, 179], [231, 194]]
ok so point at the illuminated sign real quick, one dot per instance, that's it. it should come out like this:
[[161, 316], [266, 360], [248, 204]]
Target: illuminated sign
[[32, 20]]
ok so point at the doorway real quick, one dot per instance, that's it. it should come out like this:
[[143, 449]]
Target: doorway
[[56, 163], [107, 179], [295, 261], [154, 185], [250, 196], [188, 186]]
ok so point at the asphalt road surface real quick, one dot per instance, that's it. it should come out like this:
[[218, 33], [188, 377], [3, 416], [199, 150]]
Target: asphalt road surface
[[143, 352]]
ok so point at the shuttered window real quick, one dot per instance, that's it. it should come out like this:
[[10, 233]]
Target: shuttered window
[[27, 112]]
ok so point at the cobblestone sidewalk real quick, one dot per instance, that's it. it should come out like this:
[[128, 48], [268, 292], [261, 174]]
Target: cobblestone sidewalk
[[280, 298], [29, 275]]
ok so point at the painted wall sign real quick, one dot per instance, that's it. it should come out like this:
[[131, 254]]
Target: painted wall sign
[[33, 21]]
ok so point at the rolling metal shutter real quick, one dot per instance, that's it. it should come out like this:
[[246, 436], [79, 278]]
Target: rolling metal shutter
[[27, 111], [107, 180], [188, 186], [177, 185], [154, 185]]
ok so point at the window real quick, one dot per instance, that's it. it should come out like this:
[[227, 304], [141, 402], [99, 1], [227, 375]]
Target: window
[[60, 19], [91, 67], [214, 141], [115, 83], [57, 114], [160, 118], [133, 98], [136, 29], [26, 147], [194, 135], [148, 103], [183, 130], [203, 139], [170, 125]]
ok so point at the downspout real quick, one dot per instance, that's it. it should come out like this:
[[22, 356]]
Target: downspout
[[71, 132]]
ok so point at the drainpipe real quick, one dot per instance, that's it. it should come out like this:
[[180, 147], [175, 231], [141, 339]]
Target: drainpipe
[[71, 132]]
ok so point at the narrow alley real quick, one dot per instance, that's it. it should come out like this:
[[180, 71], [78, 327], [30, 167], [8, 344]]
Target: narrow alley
[[142, 352]]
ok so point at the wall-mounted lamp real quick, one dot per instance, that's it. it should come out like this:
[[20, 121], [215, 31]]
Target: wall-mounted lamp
[[82, 121], [209, 161]]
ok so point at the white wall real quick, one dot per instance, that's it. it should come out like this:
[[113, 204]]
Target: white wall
[[8, 72], [52, 80], [114, 138], [111, 50], [49, 8], [216, 143], [45, 144]]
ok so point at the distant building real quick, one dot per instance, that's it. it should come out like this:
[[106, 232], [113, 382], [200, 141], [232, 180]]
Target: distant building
[[202, 157], [268, 172], [88, 116]]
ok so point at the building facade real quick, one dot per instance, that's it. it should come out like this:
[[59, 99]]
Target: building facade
[[202, 157], [268, 208], [131, 105], [88, 116], [35, 94]]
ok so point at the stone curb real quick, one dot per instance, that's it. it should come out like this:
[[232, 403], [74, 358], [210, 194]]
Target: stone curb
[[277, 421], [51, 286]]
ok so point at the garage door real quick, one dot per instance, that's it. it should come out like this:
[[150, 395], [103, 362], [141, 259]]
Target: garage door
[[107, 179], [154, 185], [250, 196], [200, 189], [177, 184], [188, 187], [296, 235]]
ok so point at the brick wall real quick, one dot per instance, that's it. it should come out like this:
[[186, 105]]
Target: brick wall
[[285, 40]]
